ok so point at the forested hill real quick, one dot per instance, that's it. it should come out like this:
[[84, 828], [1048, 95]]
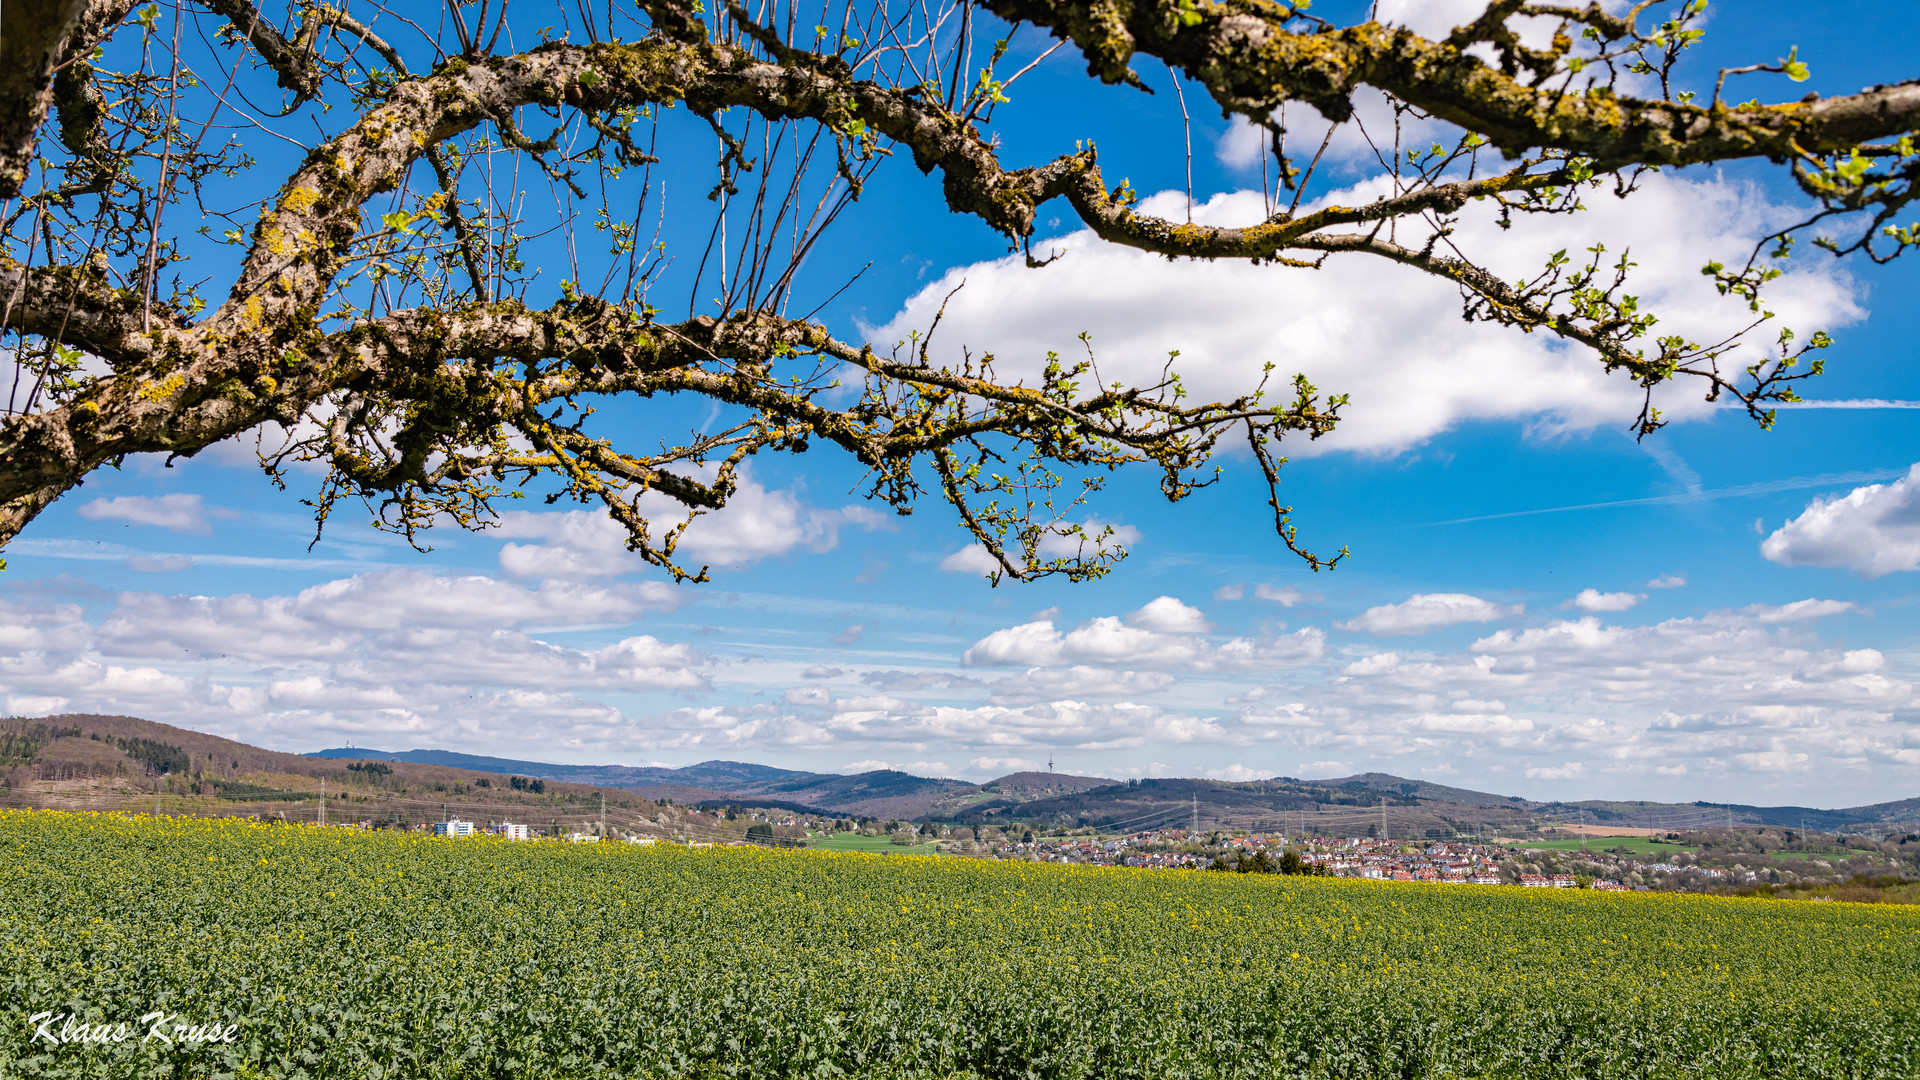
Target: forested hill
[[711, 775], [64, 759]]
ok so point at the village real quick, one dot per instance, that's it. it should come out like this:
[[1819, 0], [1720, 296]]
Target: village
[[1434, 862], [1605, 866]]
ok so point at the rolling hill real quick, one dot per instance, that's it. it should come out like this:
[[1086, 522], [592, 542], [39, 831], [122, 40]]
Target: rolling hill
[[120, 762], [708, 775]]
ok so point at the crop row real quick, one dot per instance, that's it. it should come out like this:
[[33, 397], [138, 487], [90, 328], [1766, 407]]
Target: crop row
[[339, 954]]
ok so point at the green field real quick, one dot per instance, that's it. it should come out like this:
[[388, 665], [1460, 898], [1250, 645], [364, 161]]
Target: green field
[[382, 956], [878, 845], [1639, 846]]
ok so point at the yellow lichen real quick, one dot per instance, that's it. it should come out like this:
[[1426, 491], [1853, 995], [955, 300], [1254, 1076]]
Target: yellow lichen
[[164, 389], [250, 313], [300, 200]]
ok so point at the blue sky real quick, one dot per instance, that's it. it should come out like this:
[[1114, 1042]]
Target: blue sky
[[1536, 604]]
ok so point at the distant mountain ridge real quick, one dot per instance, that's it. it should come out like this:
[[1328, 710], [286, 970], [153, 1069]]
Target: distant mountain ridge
[[1277, 803], [714, 775]]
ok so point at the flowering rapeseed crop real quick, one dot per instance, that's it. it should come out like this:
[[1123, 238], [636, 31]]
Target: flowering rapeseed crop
[[335, 954]]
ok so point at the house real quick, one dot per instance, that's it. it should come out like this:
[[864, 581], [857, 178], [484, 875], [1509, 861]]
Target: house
[[455, 827], [513, 832], [1610, 886], [1489, 877], [1535, 881], [1565, 881]]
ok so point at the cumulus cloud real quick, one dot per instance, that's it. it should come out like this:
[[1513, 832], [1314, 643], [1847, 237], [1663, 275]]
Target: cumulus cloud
[[1079, 681], [1167, 615], [975, 559], [901, 682], [1570, 771], [1230, 592], [177, 513], [1227, 318], [401, 655], [1424, 613], [1718, 695], [1667, 581], [755, 524], [1001, 766], [1239, 773], [1595, 600], [1285, 595], [1108, 640], [1798, 611], [811, 696], [1872, 530]]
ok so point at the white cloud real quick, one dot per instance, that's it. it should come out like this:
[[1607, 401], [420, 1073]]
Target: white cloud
[[1667, 581], [1167, 615], [178, 513], [914, 767], [1079, 681], [972, 559], [1595, 600], [1285, 595], [414, 599], [1426, 612], [1471, 723], [33, 705], [1872, 530], [1239, 773], [401, 655], [1228, 317], [1001, 766], [755, 524], [1107, 640], [166, 564], [1799, 610], [1570, 771], [975, 559], [1230, 592]]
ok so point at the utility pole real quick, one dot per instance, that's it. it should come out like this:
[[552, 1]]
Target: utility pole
[[156, 795], [1383, 820], [1196, 814], [603, 815], [323, 800]]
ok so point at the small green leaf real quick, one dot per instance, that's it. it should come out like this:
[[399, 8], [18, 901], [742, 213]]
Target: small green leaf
[[1795, 70]]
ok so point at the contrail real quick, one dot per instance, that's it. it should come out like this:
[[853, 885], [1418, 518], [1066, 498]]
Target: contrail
[[1848, 403], [1765, 487]]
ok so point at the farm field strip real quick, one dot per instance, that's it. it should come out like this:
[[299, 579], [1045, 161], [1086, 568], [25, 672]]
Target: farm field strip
[[1639, 846], [876, 845], [350, 955]]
